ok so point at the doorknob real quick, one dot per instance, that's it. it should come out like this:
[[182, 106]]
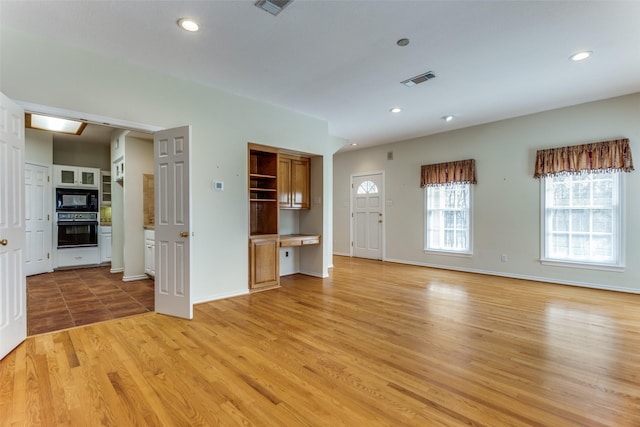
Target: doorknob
[[184, 234], [4, 242]]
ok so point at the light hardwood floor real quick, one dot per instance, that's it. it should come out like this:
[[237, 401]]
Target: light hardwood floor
[[376, 344]]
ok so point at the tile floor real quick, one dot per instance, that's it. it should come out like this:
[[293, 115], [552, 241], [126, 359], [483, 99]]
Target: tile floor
[[68, 298]]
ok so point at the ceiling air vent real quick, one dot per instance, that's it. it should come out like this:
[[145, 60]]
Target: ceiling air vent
[[274, 7], [419, 79]]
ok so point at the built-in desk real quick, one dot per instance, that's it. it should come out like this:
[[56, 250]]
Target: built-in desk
[[289, 240]]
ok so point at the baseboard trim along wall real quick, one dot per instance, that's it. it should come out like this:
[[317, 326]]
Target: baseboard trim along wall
[[219, 297], [134, 278], [519, 276]]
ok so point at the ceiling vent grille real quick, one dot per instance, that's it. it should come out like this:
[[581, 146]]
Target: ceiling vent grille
[[274, 7], [419, 79]]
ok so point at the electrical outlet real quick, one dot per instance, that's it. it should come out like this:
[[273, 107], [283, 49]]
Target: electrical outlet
[[504, 258]]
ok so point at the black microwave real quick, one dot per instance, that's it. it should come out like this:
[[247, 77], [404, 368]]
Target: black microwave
[[76, 200]]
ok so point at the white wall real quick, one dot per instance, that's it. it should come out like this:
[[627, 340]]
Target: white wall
[[506, 199], [117, 204], [222, 124]]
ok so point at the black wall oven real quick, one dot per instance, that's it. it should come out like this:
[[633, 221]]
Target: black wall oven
[[76, 200], [77, 230]]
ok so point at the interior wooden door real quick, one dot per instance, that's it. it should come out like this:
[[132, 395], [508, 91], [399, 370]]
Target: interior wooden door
[[172, 214], [38, 208], [13, 286]]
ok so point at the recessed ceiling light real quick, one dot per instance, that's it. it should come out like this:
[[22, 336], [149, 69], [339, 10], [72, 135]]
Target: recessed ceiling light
[[354, 144], [402, 42], [188, 24], [395, 110], [579, 56], [447, 118]]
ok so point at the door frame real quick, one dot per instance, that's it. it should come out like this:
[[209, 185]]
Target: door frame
[[95, 119], [383, 255]]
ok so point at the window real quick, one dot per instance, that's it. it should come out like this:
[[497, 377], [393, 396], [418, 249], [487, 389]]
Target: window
[[367, 187], [448, 218], [582, 219]]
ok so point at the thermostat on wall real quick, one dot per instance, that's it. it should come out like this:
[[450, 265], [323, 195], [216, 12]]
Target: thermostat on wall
[[218, 186]]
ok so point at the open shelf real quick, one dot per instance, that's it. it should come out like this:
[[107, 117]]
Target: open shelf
[[263, 190]]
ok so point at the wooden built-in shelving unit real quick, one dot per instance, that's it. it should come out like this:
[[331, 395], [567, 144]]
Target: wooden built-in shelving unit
[[263, 190], [264, 271]]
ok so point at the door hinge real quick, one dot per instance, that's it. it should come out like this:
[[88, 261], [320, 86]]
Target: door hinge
[[48, 255], [351, 244], [351, 214], [48, 178], [48, 217]]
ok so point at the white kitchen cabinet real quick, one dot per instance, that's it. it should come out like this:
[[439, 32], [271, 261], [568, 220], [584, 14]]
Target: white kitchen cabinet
[[75, 257], [150, 252], [105, 244], [74, 176], [105, 188]]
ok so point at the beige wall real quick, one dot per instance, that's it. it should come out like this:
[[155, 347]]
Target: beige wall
[[506, 200], [81, 154], [138, 161], [38, 147]]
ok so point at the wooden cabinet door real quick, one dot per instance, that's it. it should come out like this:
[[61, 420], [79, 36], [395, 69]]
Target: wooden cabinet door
[[284, 182], [300, 190], [264, 262], [294, 182]]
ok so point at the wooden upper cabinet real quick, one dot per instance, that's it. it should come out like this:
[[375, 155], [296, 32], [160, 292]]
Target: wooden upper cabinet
[[294, 182], [284, 181]]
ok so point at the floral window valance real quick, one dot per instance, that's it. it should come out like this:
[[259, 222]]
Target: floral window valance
[[461, 171], [604, 156]]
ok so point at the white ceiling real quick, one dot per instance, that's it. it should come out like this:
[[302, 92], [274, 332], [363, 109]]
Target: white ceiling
[[338, 60]]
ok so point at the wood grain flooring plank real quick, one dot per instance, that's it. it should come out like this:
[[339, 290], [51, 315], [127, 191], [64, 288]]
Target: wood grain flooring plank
[[375, 344]]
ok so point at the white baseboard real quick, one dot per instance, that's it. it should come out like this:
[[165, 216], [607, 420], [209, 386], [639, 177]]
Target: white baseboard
[[314, 274], [341, 254], [134, 278], [520, 276], [215, 297], [116, 270]]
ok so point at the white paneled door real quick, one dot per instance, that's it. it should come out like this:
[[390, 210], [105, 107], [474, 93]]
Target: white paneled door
[[172, 233], [37, 191], [13, 287], [367, 213]]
